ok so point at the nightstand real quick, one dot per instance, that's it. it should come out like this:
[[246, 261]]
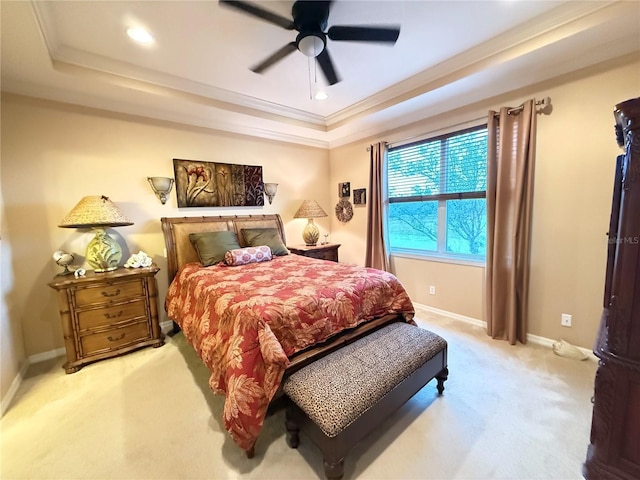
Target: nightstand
[[107, 314], [323, 252]]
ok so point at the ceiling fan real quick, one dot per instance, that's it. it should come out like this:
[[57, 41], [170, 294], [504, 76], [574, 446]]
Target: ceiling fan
[[310, 21]]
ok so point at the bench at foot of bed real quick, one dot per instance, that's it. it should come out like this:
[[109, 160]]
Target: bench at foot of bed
[[337, 400]]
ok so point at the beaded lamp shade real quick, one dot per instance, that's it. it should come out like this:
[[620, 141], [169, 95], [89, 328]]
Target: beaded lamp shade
[[98, 212], [310, 209]]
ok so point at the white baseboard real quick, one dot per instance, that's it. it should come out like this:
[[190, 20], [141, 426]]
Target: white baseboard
[[17, 381], [59, 352], [456, 316], [536, 339], [166, 327], [8, 398], [44, 356], [547, 342]]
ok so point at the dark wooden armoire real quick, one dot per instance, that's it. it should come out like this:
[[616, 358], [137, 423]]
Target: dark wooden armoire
[[614, 452]]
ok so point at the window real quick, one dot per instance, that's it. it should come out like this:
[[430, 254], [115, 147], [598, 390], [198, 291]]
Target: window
[[437, 196]]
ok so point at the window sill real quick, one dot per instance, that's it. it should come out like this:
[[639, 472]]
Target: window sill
[[434, 257]]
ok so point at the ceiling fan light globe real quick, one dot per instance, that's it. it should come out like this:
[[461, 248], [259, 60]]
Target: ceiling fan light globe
[[311, 45]]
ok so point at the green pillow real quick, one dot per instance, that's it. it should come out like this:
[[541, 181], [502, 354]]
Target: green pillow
[[211, 246], [270, 237]]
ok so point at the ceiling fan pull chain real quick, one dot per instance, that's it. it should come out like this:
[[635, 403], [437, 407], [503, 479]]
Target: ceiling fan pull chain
[[315, 63], [309, 71]]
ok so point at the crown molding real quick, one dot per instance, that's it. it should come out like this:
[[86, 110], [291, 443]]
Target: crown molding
[[223, 110], [545, 29], [74, 60], [563, 21], [128, 109]]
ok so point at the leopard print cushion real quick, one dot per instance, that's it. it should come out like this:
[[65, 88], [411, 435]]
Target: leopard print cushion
[[335, 390]]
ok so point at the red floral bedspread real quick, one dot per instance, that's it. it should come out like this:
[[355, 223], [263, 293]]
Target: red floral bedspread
[[245, 321]]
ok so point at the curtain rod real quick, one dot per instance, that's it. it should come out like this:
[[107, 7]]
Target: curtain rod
[[369, 147], [545, 103], [467, 123]]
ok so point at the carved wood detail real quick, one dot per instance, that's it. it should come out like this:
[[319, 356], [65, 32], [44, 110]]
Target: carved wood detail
[[632, 141], [609, 455], [617, 326]]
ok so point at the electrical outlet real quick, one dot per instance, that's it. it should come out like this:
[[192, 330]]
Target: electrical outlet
[[432, 290], [565, 320]]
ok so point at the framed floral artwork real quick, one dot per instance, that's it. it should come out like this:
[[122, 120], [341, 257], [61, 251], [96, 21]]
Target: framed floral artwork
[[212, 184]]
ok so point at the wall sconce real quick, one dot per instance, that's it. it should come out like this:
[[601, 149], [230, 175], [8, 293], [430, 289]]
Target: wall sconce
[[270, 190], [161, 186]]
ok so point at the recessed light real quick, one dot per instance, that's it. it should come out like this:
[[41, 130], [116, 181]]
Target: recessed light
[[140, 35], [321, 95]]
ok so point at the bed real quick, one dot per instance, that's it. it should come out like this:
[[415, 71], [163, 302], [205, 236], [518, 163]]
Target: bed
[[254, 324]]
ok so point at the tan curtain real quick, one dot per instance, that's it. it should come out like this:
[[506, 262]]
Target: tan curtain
[[376, 255], [511, 155]]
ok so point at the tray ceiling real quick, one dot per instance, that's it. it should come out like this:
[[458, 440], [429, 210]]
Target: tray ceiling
[[197, 70]]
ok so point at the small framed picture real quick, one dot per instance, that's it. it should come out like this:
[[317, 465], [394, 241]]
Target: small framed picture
[[359, 196], [344, 189]]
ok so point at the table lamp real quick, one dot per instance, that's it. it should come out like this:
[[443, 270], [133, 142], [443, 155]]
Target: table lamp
[[98, 212], [310, 209]]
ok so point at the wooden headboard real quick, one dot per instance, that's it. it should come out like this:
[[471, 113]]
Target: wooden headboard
[[176, 232]]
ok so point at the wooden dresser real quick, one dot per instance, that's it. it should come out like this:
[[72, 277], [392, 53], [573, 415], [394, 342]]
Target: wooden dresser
[[614, 452], [107, 314], [323, 252]]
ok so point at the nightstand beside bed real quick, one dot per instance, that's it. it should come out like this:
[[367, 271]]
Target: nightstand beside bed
[[107, 314], [328, 251]]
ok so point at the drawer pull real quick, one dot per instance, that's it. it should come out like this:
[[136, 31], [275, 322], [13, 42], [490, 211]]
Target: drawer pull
[[115, 294], [116, 339], [118, 315]]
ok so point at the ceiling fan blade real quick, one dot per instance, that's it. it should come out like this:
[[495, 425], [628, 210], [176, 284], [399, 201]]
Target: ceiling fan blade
[[276, 57], [327, 67], [387, 34], [259, 12]]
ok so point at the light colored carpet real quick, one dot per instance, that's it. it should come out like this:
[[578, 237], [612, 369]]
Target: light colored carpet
[[508, 412]]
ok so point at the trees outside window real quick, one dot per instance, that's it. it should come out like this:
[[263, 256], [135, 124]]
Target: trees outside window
[[437, 195]]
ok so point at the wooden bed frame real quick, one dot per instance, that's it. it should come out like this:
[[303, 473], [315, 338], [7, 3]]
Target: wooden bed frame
[[180, 251]]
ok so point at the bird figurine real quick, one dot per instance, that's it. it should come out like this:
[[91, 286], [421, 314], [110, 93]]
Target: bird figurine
[[63, 259]]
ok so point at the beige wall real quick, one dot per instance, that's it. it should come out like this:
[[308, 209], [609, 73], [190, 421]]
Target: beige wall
[[576, 151], [12, 355], [449, 281], [54, 154]]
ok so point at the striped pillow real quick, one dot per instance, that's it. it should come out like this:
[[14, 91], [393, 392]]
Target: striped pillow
[[243, 256]]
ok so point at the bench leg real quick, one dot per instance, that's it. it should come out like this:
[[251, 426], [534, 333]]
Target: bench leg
[[251, 452], [442, 377], [334, 469], [293, 437]]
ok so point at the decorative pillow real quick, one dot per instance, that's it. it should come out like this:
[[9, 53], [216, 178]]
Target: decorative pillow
[[243, 256], [265, 236], [211, 246]]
